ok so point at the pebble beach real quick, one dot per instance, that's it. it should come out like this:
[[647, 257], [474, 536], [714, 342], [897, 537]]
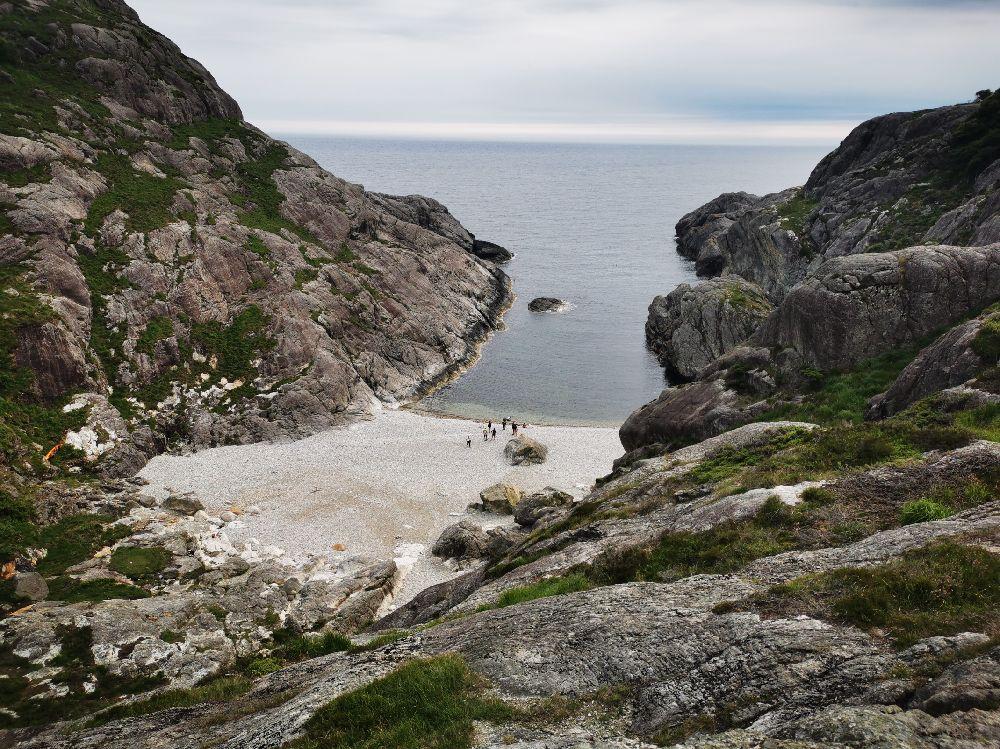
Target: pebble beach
[[377, 489]]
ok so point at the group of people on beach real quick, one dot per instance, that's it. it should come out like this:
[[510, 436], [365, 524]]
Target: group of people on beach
[[490, 430]]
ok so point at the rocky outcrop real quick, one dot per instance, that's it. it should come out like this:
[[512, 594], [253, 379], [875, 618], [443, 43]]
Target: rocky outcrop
[[546, 304], [927, 177], [856, 307], [694, 325], [463, 540], [538, 505], [850, 310], [523, 450], [213, 284], [950, 360]]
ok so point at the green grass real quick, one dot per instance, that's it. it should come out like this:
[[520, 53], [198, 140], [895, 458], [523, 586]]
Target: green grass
[[987, 341], [144, 197], [218, 690], [731, 460], [139, 562], [302, 647], [75, 539], [71, 590], [725, 548], [425, 704], [236, 345], [739, 298], [157, 329], [263, 200], [304, 276], [844, 396], [553, 586], [941, 589], [794, 214], [923, 510]]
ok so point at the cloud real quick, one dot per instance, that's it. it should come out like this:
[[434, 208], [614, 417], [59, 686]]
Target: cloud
[[630, 64]]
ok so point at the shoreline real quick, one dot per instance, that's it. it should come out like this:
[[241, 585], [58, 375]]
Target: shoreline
[[378, 489]]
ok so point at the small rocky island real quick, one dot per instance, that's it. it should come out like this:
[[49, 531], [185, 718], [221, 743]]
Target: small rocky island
[[547, 304]]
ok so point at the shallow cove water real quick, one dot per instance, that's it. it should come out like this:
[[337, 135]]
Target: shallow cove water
[[591, 224]]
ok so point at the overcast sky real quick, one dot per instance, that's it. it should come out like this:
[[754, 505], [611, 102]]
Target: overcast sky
[[726, 71]]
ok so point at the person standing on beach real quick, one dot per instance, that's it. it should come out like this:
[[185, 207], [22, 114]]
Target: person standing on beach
[[513, 428], [493, 434], [505, 423], [486, 434], [489, 425], [468, 441]]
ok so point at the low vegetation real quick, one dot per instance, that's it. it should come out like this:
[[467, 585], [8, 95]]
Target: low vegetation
[[217, 690], [945, 588], [139, 562], [430, 703]]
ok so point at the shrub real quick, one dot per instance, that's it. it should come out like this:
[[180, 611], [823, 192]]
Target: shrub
[[987, 341], [302, 647], [554, 586], [431, 703], [217, 690], [923, 510]]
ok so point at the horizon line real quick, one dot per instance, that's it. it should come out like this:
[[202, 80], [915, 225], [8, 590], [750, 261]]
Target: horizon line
[[680, 131]]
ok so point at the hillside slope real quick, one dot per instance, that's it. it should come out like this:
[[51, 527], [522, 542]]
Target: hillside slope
[[172, 275]]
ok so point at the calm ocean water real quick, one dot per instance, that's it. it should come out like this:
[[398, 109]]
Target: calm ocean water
[[591, 224]]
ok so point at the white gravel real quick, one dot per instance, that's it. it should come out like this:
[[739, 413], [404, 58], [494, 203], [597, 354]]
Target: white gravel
[[377, 489]]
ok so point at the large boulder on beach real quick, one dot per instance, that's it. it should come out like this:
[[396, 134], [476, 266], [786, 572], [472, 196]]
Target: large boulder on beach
[[463, 540], [546, 304], [523, 450], [694, 325], [500, 499], [539, 504]]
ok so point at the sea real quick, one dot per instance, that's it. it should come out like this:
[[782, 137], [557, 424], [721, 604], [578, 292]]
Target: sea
[[592, 224]]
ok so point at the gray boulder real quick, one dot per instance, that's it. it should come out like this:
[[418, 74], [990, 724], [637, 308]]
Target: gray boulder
[[523, 450], [490, 251], [535, 506], [31, 586], [463, 540], [184, 504], [693, 325]]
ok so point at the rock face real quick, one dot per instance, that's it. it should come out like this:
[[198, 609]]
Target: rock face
[[694, 325], [856, 307], [523, 450], [851, 309], [902, 179], [212, 284], [950, 360], [546, 304]]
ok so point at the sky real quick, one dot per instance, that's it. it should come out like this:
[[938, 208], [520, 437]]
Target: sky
[[675, 71]]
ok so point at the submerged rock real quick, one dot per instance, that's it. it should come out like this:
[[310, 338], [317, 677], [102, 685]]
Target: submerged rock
[[523, 450]]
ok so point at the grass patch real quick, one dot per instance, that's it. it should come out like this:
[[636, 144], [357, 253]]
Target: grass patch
[[843, 396], [71, 590], [304, 276], [922, 511], [75, 539], [942, 589], [987, 341], [218, 690], [739, 298], [157, 329], [303, 647], [425, 704], [139, 562], [553, 586], [144, 197], [235, 346]]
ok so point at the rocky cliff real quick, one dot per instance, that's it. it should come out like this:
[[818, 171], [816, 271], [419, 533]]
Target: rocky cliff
[[174, 276], [766, 569]]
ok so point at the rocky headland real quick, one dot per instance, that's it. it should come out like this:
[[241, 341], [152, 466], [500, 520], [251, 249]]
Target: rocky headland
[[799, 549]]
